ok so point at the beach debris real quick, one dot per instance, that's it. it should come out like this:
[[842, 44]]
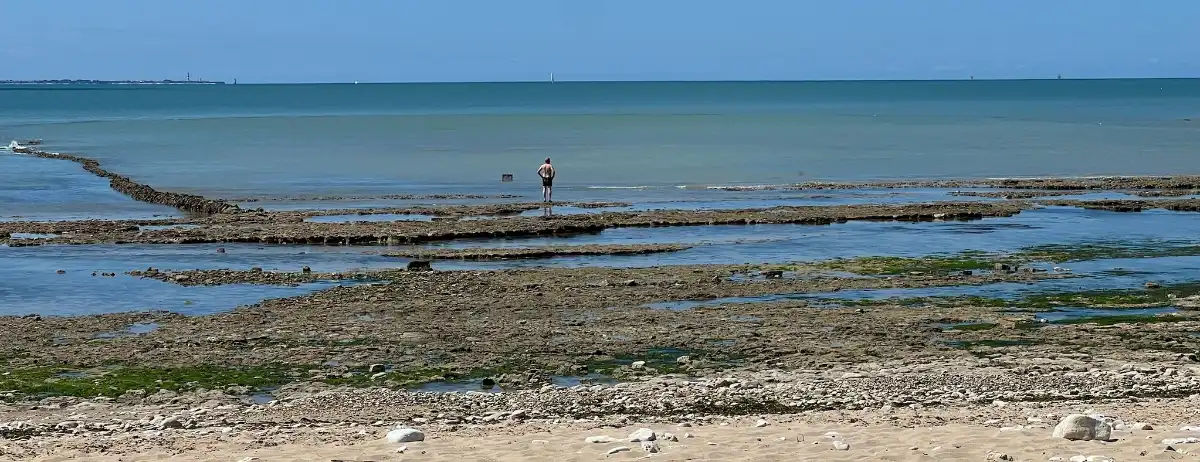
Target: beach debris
[[760, 424], [405, 435], [841, 445], [1082, 458], [599, 439], [1078, 427], [618, 449], [642, 434], [420, 265]]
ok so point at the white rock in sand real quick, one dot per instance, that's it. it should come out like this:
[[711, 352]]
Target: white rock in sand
[[841, 445], [999, 457], [599, 439], [650, 446], [761, 423], [1174, 441], [618, 449], [668, 437], [1077, 427], [642, 434], [405, 435]]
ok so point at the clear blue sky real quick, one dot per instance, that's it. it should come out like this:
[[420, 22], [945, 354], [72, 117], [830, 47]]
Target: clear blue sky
[[495, 40]]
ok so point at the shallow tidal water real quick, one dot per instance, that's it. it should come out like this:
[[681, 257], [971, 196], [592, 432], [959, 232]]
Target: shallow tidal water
[[655, 146]]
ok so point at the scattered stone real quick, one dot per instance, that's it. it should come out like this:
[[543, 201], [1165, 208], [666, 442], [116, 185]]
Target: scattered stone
[[420, 265], [618, 449], [642, 434], [1142, 426], [638, 365], [170, 422], [405, 435], [599, 439], [305, 269], [999, 456], [668, 437], [760, 424], [688, 435], [1078, 427], [841, 445], [376, 368], [650, 446]]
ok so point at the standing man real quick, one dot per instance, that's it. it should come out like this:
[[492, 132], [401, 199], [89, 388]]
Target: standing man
[[546, 171]]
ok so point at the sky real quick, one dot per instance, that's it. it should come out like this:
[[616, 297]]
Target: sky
[[523, 40]]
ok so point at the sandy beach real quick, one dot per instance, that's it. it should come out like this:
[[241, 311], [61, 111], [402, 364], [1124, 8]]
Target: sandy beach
[[881, 435]]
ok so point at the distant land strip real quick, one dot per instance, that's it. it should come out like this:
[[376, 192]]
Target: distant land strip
[[110, 82]]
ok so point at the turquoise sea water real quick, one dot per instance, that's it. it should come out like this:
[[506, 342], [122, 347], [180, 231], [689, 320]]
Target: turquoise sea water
[[656, 145], [252, 140]]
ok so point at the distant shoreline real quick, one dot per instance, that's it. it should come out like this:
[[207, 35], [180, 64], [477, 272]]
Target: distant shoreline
[[109, 82]]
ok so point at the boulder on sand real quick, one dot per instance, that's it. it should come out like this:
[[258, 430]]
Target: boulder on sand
[[1079, 427]]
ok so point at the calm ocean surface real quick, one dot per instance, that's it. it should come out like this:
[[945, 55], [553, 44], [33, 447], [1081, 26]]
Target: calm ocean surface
[[274, 140]]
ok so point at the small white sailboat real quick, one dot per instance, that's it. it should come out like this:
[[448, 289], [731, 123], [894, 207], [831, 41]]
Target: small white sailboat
[[551, 77]]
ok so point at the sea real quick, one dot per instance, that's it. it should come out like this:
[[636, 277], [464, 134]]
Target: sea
[[608, 140], [662, 145]]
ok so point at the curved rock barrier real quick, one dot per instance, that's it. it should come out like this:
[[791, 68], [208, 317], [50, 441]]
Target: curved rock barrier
[[140, 192], [254, 276], [396, 197], [1183, 182], [1131, 205], [267, 231], [477, 254]]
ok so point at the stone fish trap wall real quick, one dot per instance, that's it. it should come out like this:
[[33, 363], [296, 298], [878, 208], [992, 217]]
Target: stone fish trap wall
[[140, 192]]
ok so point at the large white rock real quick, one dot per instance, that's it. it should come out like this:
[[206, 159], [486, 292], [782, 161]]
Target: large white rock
[[1079, 427], [642, 434], [405, 435]]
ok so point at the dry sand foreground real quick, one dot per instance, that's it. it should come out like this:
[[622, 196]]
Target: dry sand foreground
[[736, 440]]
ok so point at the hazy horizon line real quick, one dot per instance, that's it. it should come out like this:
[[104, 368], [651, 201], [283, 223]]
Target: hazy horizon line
[[569, 81]]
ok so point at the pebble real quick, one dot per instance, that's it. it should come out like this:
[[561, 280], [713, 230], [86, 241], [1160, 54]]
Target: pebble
[[642, 434], [599, 439], [618, 449], [405, 435], [841, 445]]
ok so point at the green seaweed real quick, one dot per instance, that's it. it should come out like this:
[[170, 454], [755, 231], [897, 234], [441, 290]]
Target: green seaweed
[[1124, 319], [971, 327], [115, 381], [1062, 253], [937, 264]]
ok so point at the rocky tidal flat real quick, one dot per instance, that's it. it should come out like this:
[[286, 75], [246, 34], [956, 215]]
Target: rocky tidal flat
[[1011, 355]]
